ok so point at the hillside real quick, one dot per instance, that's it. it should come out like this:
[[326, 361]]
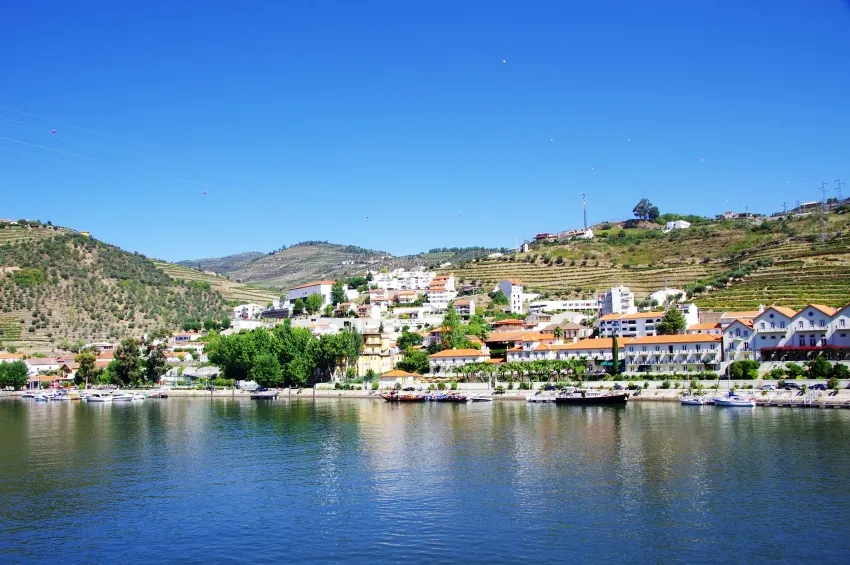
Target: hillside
[[795, 266], [223, 265], [309, 261], [59, 287], [232, 292]]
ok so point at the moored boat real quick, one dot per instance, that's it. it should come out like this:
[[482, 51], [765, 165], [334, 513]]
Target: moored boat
[[694, 401], [264, 395], [456, 398], [734, 400], [481, 398], [591, 398], [122, 397], [99, 397], [540, 398], [392, 397]]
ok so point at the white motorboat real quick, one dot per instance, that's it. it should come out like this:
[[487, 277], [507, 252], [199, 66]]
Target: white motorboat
[[481, 398], [264, 395], [138, 396], [694, 401], [28, 395], [60, 395], [734, 400], [99, 397], [41, 397], [122, 397]]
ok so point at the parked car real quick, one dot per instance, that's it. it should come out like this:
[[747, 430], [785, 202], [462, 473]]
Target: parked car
[[618, 386], [818, 386], [792, 386], [768, 387], [408, 389]]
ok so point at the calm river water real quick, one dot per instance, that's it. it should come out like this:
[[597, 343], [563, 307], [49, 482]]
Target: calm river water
[[360, 481]]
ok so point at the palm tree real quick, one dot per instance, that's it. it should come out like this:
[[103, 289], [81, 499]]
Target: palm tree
[[558, 333]]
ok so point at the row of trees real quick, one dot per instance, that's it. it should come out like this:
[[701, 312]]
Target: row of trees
[[208, 324], [13, 375], [134, 364], [540, 370], [284, 356]]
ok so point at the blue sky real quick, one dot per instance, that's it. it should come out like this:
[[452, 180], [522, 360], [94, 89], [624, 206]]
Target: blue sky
[[300, 119]]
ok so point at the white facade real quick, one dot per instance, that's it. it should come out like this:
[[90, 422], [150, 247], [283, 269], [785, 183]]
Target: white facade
[[441, 292], [673, 354], [36, 366], [400, 279], [464, 307], [738, 341], [663, 295], [446, 362], [677, 225], [322, 288], [618, 300], [513, 290], [247, 311], [690, 311], [563, 305], [639, 324], [841, 328]]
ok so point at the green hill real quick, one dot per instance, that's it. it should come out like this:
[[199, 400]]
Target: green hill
[[728, 263], [64, 287], [231, 291]]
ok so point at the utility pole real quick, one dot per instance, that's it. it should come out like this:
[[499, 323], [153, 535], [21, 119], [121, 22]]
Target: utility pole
[[838, 185], [584, 206], [823, 212], [784, 209]]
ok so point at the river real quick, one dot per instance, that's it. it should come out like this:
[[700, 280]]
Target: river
[[362, 481]]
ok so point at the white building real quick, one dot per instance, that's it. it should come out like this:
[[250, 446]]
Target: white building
[[638, 324], [322, 288], [37, 366], [247, 311], [513, 290], [690, 311], [673, 354], [401, 279], [841, 327], [618, 300], [677, 225], [10, 357], [591, 304], [710, 328], [465, 307], [662, 296], [441, 292], [772, 327], [447, 362], [738, 341]]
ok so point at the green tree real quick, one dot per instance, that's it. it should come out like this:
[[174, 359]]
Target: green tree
[[266, 371], [672, 323], [819, 368], [793, 370], [452, 335], [15, 375], [337, 293], [558, 333], [155, 365], [294, 353], [210, 324], [408, 339], [313, 303], [414, 361], [499, 298], [839, 371], [86, 362], [127, 361], [644, 210], [224, 324], [745, 369], [328, 311], [298, 307]]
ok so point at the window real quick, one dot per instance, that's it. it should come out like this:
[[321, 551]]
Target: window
[[822, 324], [813, 341], [738, 332], [841, 322], [761, 325], [802, 341], [801, 323], [746, 346], [782, 325], [697, 347], [657, 348], [746, 334]]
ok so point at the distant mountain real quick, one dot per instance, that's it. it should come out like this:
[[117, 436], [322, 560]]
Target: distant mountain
[[316, 260], [223, 265]]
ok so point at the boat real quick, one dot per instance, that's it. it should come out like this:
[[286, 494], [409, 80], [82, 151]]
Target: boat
[[264, 395], [99, 397], [540, 398], [158, 394], [456, 398], [481, 398], [392, 397], [41, 397], [734, 400], [592, 398], [122, 397], [138, 396], [694, 401], [28, 395]]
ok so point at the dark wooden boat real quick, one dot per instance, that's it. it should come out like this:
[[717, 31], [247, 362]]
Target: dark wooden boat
[[458, 398], [583, 398], [403, 397]]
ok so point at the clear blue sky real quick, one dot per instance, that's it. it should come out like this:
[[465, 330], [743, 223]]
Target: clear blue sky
[[302, 118]]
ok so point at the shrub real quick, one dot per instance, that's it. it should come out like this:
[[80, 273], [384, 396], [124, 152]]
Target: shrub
[[441, 386], [646, 385], [525, 386], [375, 385], [781, 383], [665, 384], [454, 385], [776, 373]]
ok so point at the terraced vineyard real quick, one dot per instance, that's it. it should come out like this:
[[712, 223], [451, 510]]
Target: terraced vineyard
[[16, 234], [803, 268], [233, 292]]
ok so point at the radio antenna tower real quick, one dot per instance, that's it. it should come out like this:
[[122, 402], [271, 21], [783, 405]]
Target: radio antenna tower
[[838, 185], [584, 206], [784, 209]]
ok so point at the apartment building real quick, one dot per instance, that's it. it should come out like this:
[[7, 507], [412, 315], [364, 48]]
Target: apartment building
[[322, 288], [673, 353], [618, 300], [447, 362], [513, 290], [638, 324]]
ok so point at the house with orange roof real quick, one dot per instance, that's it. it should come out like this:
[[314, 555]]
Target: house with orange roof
[[841, 327], [406, 296], [811, 326], [465, 307], [598, 353], [674, 353], [10, 357], [728, 317], [322, 288], [441, 292], [739, 341], [510, 324], [447, 362], [711, 328], [397, 376]]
